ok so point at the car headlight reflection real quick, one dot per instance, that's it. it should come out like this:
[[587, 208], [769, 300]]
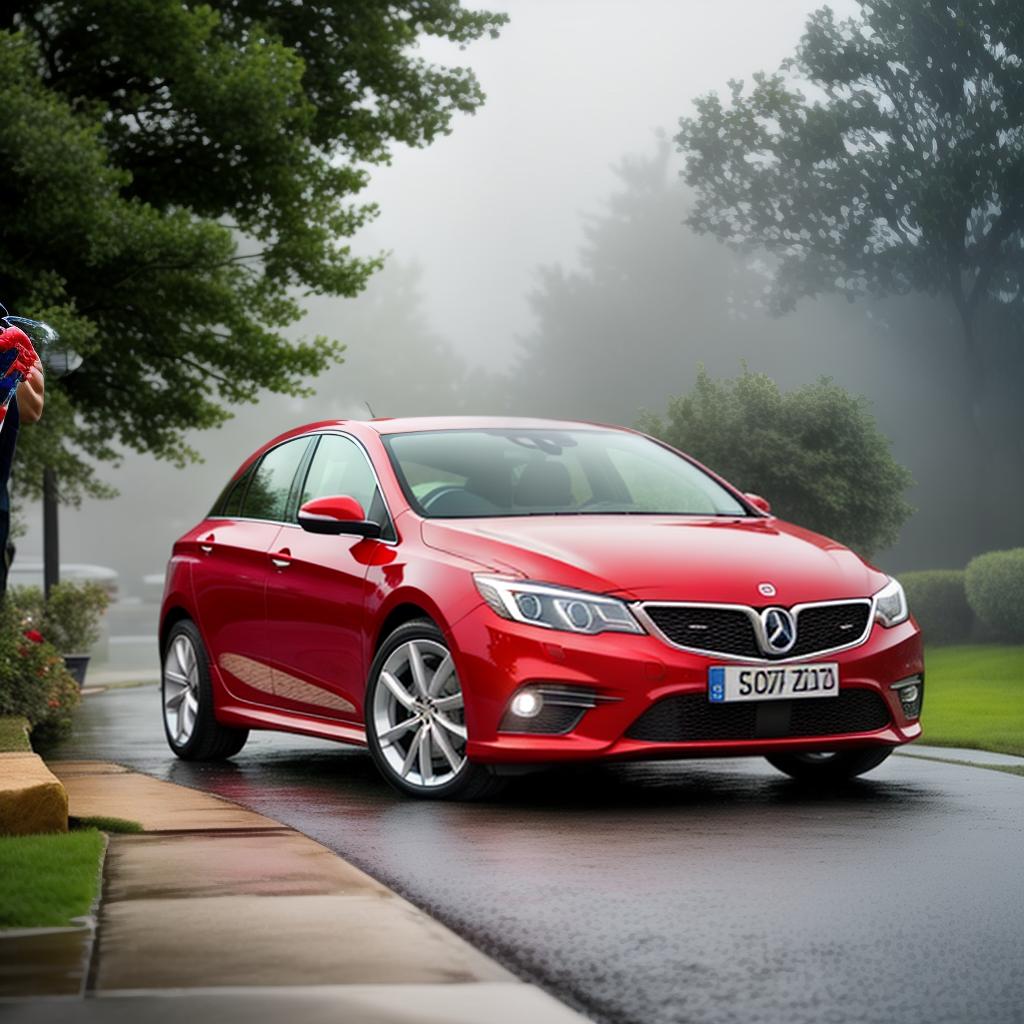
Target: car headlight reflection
[[541, 604], [891, 604]]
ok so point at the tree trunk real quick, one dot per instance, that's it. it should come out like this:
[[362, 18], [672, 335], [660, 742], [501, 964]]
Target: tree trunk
[[51, 540], [978, 472]]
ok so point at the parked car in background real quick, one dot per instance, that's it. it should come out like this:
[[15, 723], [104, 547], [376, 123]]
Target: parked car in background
[[29, 573], [470, 597]]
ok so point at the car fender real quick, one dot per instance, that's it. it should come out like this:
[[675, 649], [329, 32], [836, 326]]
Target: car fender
[[178, 600]]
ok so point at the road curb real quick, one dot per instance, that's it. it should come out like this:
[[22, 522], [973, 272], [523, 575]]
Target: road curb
[[215, 905]]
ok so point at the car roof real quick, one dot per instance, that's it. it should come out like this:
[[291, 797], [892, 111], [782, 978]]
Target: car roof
[[411, 424], [407, 424]]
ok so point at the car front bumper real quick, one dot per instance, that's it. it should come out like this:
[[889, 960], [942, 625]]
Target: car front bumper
[[629, 674]]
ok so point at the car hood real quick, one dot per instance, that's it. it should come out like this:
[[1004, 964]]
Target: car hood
[[666, 558]]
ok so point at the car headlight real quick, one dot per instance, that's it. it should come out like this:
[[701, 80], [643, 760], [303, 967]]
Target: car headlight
[[541, 604], [891, 604]]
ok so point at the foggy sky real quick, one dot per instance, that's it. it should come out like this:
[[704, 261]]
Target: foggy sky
[[572, 87]]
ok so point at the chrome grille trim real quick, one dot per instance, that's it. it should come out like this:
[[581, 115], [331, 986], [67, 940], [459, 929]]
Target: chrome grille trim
[[639, 609]]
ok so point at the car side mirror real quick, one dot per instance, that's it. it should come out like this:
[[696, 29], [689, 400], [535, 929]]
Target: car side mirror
[[759, 503], [337, 514]]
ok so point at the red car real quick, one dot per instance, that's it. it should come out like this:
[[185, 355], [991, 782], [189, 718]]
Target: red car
[[470, 597]]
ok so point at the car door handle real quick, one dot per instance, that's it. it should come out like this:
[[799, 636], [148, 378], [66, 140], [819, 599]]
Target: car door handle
[[282, 559], [206, 544]]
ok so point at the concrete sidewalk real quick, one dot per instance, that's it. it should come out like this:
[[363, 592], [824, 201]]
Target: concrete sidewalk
[[960, 755], [219, 913]]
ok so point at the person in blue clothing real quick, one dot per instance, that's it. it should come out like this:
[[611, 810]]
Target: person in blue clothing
[[27, 407]]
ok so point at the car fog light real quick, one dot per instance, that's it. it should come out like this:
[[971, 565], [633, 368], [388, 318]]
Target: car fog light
[[526, 704], [911, 694]]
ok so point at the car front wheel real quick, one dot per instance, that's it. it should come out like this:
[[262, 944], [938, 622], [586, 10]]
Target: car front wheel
[[415, 718], [825, 767], [192, 730]]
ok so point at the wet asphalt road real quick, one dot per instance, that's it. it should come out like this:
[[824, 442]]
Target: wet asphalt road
[[701, 891]]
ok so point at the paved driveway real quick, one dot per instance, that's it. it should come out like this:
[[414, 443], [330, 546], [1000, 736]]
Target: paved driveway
[[702, 891]]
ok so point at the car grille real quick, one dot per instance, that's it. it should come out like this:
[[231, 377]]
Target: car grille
[[553, 719], [730, 631], [692, 718], [821, 627]]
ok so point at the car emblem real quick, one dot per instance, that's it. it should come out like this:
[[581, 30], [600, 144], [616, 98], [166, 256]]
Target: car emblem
[[779, 630], [766, 589]]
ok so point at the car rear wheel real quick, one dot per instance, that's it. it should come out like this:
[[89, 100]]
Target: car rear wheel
[[415, 718], [192, 730], [834, 766]]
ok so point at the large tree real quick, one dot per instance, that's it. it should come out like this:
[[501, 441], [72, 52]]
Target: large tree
[[176, 173], [886, 157]]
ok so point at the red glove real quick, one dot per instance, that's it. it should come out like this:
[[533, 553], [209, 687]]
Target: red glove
[[15, 337]]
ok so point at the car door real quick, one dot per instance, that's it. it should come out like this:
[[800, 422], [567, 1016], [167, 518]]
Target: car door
[[317, 590], [230, 576]]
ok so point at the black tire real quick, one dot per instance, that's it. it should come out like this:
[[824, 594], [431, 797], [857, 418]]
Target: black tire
[[824, 768], [473, 781], [209, 740]]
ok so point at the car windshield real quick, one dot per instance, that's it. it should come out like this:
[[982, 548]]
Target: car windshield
[[520, 472]]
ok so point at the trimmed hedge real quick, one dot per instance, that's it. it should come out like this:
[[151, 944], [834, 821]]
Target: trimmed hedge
[[995, 590], [938, 600]]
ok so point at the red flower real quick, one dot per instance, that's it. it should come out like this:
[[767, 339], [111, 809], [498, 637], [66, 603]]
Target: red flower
[[34, 635]]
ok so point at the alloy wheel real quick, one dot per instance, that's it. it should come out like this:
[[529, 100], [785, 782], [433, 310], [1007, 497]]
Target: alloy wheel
[[181, 689], [418, 714]]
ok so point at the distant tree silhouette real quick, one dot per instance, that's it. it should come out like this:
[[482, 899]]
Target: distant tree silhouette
[[395, 362], [885, 158], [618, 334], [625, 330]]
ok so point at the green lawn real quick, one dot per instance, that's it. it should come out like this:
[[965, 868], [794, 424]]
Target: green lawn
[[974, 697], [48, 879], [13, 734]]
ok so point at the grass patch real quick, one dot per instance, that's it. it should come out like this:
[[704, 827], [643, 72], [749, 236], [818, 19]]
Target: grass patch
[[106, 824], [974, 697], [14, 734], [49, 879]]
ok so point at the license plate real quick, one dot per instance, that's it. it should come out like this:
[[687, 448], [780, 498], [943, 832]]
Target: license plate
[[771, 682]]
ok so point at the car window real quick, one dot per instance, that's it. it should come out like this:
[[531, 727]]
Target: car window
[[340, 467], [230, 502], [653, 483], [517, 471], [267, 496]]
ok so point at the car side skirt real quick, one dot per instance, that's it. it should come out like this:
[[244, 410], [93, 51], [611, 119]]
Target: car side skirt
[[250, 717]]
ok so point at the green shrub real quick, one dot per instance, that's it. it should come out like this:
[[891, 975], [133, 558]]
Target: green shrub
[[938, 601], [815, 453], [13, 734], [995, 590], [33, 680], [69, 618]]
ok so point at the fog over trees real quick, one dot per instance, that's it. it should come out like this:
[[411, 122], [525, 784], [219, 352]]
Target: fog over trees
[[620, 326], [652, 300]]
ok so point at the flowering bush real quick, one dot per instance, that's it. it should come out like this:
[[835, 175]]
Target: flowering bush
[[69, 618], [33, 680]]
